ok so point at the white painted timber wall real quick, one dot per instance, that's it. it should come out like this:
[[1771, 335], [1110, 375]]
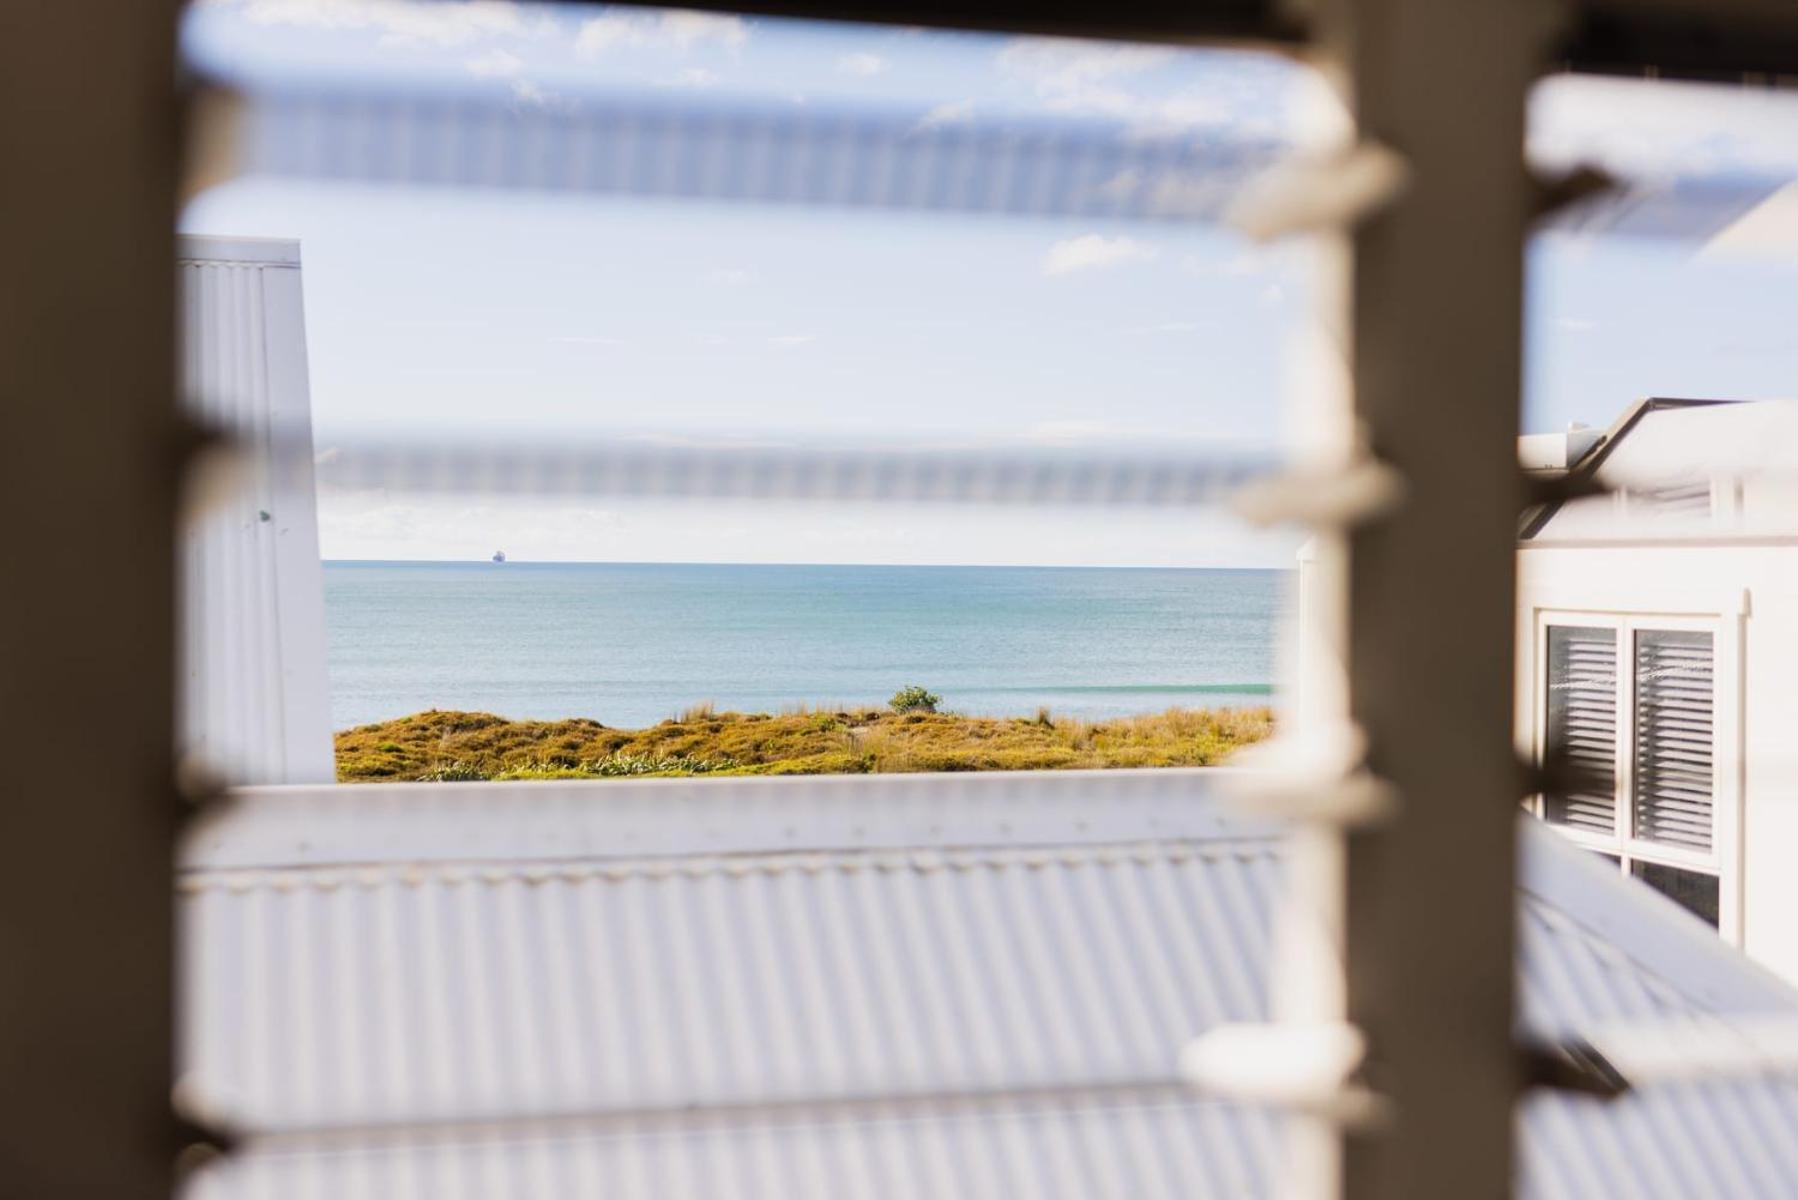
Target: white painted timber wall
[[255, 704], [1747, 592]]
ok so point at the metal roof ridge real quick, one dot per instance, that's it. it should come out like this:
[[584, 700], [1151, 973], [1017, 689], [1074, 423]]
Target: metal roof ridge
[[293, 826], [821, 1109], [923, 860]]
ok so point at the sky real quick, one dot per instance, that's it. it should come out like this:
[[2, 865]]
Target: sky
[[518, 314]]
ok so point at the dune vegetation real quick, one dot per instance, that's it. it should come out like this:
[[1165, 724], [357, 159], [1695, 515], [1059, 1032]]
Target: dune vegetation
[[446, 746]]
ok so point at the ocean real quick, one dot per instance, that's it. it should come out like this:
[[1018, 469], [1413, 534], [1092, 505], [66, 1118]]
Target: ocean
[[629, 644]]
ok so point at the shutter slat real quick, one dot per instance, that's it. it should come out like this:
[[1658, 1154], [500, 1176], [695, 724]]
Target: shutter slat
[[1582, 722], [1672, 792]]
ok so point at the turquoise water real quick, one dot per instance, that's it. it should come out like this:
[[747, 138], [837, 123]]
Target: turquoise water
[[629, 643]]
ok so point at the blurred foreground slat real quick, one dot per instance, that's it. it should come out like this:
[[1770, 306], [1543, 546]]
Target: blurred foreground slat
[[88, 141]]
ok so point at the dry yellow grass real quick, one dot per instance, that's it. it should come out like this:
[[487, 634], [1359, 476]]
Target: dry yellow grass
[[464, 745]]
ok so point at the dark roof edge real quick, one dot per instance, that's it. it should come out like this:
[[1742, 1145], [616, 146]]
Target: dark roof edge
[[1535, 517]]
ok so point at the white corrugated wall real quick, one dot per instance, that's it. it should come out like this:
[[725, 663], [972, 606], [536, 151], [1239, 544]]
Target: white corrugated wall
[[254, 704]]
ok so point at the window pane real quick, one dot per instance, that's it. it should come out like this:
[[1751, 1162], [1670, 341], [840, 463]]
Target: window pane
[[1686, 498], [1673, 761], [1691, 890], [1582, 724]]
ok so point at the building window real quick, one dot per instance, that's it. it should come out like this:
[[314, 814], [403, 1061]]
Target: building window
[[1696, 891], [1629, 713], [1671, 783], [1582, 724], [1688, 499]]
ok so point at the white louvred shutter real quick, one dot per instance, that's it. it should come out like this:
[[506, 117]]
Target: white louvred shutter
[[1685, 498], [1582, 724], [1675, 732]]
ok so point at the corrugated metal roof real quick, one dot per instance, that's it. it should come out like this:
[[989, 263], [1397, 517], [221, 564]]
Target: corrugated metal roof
[[882, 1016], [633, 818], [330, 995], [254, 700]]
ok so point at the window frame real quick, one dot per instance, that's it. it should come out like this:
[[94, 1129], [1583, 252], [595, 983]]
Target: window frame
[[1722, 620]]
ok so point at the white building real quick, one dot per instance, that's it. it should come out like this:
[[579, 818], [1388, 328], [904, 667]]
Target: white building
[[255, 707], [1657, 635]]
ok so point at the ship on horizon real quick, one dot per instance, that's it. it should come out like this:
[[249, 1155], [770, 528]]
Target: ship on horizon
[[499, 556]]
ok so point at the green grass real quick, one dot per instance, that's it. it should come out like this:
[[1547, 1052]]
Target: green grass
[[455, 746]]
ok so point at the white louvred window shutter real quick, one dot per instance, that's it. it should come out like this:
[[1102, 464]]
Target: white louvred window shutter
[[1678, 498], [1582, 724], [1675, 731]]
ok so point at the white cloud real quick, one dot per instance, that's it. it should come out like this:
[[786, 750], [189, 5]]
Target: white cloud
[[861, 63], [685, 27], [1093, 251], [527, 93], [1083, 77], [960, 112], [1251, 94], [677, 29], [370, 525], [727, 277], [1252, 260], [1122, 186], [447, 23], [495, 63], [691, 77], [1066, 65]]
